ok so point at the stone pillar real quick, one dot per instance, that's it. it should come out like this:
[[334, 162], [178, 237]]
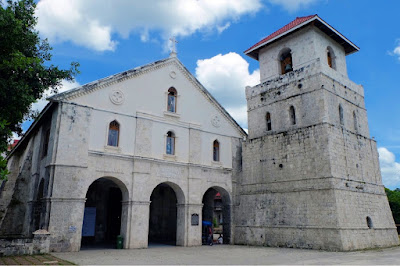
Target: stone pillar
[[227, 226], [181, 224], [194, 214], [138, 224], [66, 219], [125, 222]]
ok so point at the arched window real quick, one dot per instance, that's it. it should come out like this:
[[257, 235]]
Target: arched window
[[113, 134], [286, 61], [216, 151], [172, 94], [355, 121], [330, 57], [292, 114], [268, 120], [341, 118], [170, 148]]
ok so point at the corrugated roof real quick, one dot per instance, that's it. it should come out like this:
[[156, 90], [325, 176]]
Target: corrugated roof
[[299, 23], [291, 25]]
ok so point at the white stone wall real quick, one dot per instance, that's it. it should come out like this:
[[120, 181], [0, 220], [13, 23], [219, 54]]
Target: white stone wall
[[307, 44]]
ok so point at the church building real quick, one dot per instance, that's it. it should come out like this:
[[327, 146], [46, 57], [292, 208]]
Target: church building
[[150, 155]]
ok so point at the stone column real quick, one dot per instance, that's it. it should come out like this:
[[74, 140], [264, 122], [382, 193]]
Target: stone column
[[194, 225], [181, 224], [65, 226], [138, 224], [125, 222]]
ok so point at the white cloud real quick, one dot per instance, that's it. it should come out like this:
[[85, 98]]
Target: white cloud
[[92, 23], [239, 114], [396, 51], [226, 77], [390, 168], [41, 103], [293, 5]]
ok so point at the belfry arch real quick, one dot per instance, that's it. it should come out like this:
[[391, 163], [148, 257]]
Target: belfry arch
[[104, 218], [167, 217], [217, 211]]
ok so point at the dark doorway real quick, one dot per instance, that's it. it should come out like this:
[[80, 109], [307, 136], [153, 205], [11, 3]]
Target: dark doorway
[[163, 215], [217, 214], [102, 217]]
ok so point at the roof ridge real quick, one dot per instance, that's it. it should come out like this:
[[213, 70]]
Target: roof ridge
[[283, 29]]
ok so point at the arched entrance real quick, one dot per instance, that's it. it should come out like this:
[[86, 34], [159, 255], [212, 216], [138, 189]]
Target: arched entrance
[[217, 214], [164, 215], [102, 215]]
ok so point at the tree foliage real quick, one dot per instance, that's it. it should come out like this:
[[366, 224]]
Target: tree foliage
[[394, 202], [25, 69]]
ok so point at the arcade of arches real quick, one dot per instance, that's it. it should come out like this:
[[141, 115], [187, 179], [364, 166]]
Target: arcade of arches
[[103, 216]]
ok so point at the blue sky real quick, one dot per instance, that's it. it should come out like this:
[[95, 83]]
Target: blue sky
[[107, 37]]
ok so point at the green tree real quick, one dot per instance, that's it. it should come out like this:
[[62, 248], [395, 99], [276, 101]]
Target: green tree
[[25, 69], [394, 202]]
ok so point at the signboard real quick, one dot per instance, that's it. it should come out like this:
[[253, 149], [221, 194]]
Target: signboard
[[89, 221], [195, 219]]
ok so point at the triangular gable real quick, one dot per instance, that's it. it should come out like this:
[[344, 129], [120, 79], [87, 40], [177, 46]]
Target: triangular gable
[[104, 82]]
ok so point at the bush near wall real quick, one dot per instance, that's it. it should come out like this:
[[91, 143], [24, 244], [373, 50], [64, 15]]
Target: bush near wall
[[394, 202]]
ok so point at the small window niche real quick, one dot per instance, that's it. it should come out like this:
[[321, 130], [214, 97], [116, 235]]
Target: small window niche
[[331, 57], [292, 115], [285, 60], [341, 116], [172, 100], [113, 134], [170, 143], [268, 121], [216, 151], [355, 121], [369, 223]]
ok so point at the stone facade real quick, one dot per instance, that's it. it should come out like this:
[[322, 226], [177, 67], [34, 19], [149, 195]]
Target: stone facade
[[310, 179], [78, 154], [306, 177]]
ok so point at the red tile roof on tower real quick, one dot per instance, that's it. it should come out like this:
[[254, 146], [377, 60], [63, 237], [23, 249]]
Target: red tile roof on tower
[[298, 23], [291, 25]]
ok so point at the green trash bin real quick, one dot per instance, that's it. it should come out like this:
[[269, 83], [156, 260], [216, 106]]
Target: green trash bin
[[120, 242]]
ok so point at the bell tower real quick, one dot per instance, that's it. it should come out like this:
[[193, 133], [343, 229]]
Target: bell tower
[[311, 176]]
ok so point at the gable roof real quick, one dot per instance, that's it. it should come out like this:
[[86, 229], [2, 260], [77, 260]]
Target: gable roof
[[97, 84], [298, 23]]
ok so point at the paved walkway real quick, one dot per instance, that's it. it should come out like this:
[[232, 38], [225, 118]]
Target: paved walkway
[[225, 254]]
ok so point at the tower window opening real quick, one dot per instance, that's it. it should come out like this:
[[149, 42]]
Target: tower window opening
[[268, 120], [330, 57], [286, 61], [369, 222], [292, 115]]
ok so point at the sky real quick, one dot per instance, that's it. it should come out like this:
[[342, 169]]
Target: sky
[[110, 36]]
